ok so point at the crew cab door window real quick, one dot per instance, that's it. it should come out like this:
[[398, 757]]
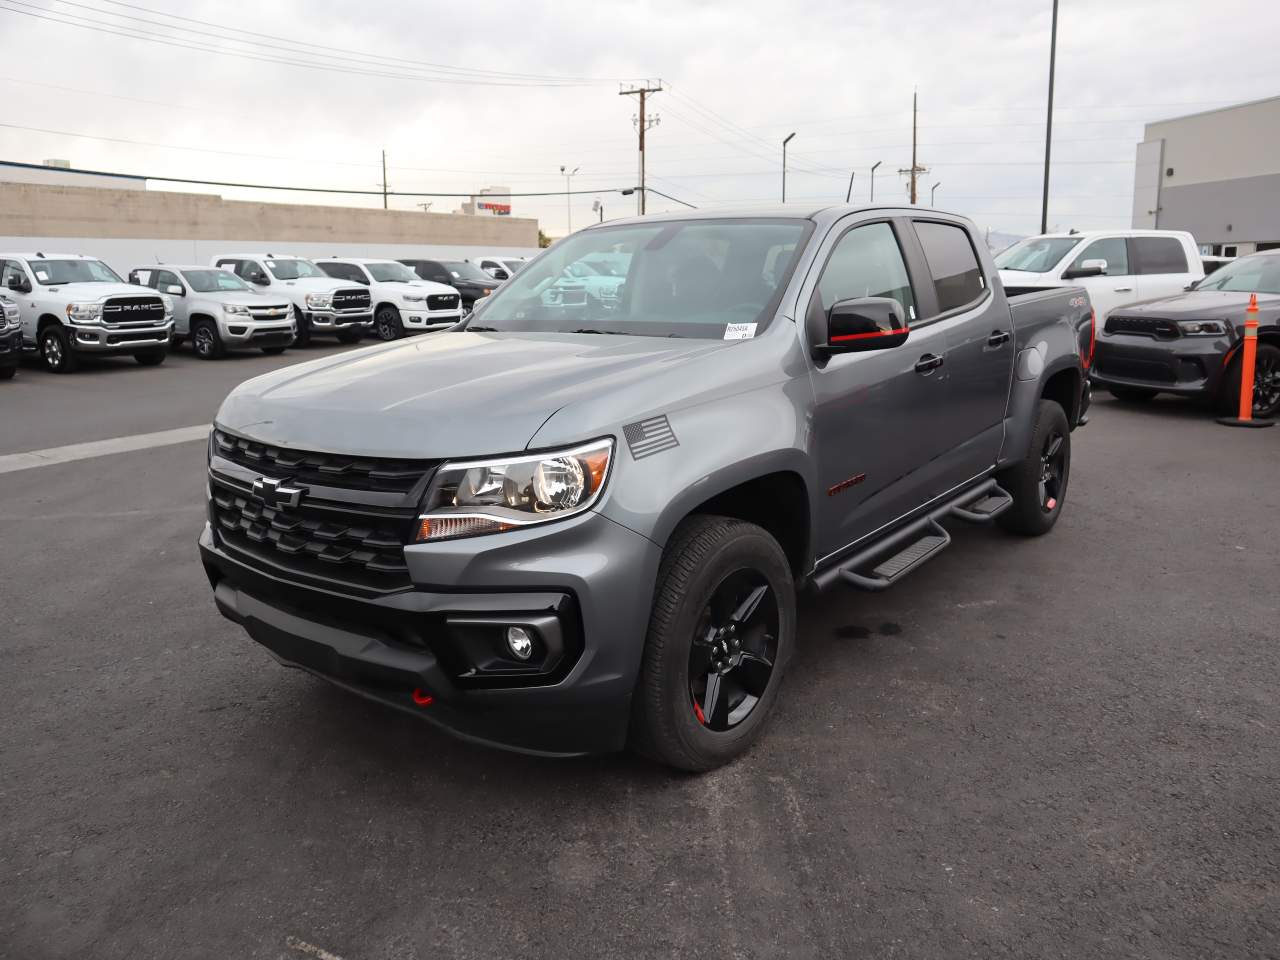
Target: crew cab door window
[[11, 270], [1114, 250], [164, 279], [953, 264], [867, 262], [1159, 255], [249, 269]]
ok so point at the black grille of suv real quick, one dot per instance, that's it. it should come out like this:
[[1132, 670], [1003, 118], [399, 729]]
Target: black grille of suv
[[322, 469], [352, 300], [133, 310], [353, 549], [1143, 326], [442, 301]]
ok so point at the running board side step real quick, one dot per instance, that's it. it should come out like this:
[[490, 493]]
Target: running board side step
[[915, 544]]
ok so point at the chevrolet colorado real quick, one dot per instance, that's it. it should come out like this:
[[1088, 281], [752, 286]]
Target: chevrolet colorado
[[563, 529], [320, 303]]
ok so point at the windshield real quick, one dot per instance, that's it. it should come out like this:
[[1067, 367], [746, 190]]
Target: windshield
[[294, 269], [513, 266], [709, 279], [461, 270], [1035, 254], [214, 281], [1257, 274], [390, 272], [50, 272]]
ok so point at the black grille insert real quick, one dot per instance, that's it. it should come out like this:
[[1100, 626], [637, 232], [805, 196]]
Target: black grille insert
[[442, 301], [133, 310], [355, 549], [323, 469], [1144, 327], [352, 300]]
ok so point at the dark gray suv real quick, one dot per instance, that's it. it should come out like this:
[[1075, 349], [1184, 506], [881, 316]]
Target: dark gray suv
[[570, 526]]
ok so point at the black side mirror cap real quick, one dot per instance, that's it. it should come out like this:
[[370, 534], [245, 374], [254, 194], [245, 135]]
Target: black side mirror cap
[[864, 324], [1077, 272], [19, 285]]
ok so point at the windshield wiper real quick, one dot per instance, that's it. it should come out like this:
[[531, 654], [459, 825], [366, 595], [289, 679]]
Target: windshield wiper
[[614, 333], [470, 329]]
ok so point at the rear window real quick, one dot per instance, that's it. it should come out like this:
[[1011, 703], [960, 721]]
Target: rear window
[[957, 278], [1159, 255]]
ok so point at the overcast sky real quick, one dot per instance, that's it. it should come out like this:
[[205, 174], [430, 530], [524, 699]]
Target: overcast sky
[[739, 77]]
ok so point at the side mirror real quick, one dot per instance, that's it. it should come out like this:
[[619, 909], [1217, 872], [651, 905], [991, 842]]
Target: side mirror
[[19, 284], [259, 278], [1089, 268], [867, 323], [175, 289], [501, 275], [1193, 284]]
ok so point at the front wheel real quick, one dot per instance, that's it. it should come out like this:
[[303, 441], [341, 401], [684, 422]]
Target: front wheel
[[205, 341], [387, 324], [302, 336], [721, 632], [55, 350], [1038, 484], [151, 358], [1266, 383]]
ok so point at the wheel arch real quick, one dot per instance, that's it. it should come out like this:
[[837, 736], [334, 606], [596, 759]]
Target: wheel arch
[[378, 307], [1063, 387], [47, 320]]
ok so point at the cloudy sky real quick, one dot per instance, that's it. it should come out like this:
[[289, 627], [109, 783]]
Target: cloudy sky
[[465, 95]]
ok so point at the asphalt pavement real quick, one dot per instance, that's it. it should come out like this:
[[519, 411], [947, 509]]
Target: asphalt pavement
[[1062, 747]]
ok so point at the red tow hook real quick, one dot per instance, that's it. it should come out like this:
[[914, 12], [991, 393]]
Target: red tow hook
[[422, 698]]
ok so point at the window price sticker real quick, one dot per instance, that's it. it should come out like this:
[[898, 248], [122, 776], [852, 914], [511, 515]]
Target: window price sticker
[[739, 331]]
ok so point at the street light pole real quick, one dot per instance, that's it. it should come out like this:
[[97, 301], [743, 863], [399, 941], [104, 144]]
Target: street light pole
[[784, 165], [1048, 124], [873, 179], [933, 190], [568, 200]]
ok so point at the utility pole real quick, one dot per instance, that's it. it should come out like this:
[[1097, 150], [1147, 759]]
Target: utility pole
[[384, 179], [1048, 123], [849, 193], [642, 124], [568, 198], [873, 179], [916, 169]]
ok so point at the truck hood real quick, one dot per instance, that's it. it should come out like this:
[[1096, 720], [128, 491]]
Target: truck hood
[[1020, 278], [417, 288], [96, 290], [1204, 305], [446, 396], [310, 285], [239, 298]]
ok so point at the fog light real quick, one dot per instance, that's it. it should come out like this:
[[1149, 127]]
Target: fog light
[[519, 642]]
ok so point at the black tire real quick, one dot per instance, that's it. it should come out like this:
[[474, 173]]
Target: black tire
[[1132, 394], [151, 358], [1037, 501], [8, 373], [55, 350], [206, 342], [1266, 384], [350, 334], [705, 554], [387, 324], [273, 351], [301, 337]]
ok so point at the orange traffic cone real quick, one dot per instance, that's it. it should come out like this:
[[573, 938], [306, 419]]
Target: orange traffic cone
[[1248, 352]]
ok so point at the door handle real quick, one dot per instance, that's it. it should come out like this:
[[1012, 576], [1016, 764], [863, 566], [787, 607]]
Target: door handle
[[998, 337], [928, 363], [1124, 290]]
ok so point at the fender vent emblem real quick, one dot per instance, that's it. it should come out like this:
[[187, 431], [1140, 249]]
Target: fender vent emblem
[[647, 437]]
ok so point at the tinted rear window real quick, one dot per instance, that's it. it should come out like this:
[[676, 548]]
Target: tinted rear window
[[957, 278], [1159, 255]]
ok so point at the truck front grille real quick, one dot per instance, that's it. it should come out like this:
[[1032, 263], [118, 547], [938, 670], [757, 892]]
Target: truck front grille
[[133, 310], [344, 548], [352, 300], [276, 311], [323, 469], [443, 301], [1144, 327]]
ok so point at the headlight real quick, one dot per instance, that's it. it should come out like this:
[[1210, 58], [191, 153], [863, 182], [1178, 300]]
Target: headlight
[[467, 499], [319, 301], [237, 309], [84, 312], [1202, 328], [413, 298]]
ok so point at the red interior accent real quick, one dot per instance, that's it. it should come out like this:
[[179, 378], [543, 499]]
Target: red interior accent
[[422, 698]]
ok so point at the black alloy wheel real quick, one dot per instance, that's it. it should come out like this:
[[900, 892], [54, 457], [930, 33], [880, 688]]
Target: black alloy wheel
[[387, 324], [1052, 471], [1266, 382], [734, 649], [205, 342]]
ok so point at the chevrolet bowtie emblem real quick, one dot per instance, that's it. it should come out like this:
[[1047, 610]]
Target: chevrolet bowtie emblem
[[277, 493]]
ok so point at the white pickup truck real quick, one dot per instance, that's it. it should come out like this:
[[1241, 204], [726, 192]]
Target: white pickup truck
[[1117, 267], [320, 303], [402, 302], [72, 306]]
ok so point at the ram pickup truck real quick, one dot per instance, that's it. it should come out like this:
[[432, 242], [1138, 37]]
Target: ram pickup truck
[[1189, 344], [72, 306], [600, 540], [470, 281], [217, 311], [320, 303], [10, 338], [402, 302]]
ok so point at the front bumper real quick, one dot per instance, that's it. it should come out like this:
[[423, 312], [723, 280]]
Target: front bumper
[[589, 578], [256, 334], [1192, 366], [100, 338], [429, 319], [11, 347], [328, 320]]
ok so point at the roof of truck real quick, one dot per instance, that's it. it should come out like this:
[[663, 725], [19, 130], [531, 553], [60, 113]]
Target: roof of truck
[[259, 256], [1123, 232], [172, 266], [788, 211], [359, 259], [39, 255]]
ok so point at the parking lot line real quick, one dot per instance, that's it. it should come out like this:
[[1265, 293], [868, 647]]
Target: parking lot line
[[101, 448]]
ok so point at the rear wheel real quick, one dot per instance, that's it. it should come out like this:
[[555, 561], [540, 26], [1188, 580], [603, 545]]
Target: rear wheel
[[55, 350], [151, 358], [387, 324], [1132, 394], [720, 635], [205, 340], [1266, 383], [1038, 484], [350, 335]]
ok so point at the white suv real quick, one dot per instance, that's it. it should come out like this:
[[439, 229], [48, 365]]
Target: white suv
[[320, 303], [72, 305], [402, 302]]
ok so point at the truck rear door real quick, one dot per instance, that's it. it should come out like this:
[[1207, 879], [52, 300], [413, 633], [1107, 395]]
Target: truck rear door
[[1162, 267]]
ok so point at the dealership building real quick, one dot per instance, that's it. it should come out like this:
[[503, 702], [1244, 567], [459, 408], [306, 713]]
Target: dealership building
[[1216, 174]]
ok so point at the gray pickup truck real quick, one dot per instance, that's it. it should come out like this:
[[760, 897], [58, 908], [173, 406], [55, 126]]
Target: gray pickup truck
[[566, 528]]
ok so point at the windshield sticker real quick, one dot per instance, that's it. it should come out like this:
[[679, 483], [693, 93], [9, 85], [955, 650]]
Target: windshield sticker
[[271, 264], [739, 331], [42, 276]]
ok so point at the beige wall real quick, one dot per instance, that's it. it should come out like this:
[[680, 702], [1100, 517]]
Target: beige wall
[[1227, 144], [41, 210]]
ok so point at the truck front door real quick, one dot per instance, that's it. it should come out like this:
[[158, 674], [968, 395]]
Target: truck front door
[[1118, 284]]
